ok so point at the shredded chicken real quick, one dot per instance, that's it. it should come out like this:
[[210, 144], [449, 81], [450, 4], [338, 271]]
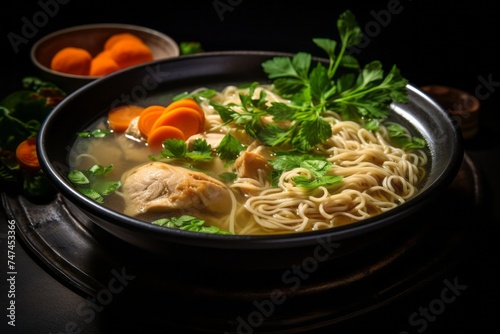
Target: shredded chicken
[[248, 165], [160, 187]]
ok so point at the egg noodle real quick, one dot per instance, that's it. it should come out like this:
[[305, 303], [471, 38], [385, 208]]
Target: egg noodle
[[376, 177]]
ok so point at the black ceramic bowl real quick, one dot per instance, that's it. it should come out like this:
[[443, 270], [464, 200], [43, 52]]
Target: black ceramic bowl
[[150, 83]]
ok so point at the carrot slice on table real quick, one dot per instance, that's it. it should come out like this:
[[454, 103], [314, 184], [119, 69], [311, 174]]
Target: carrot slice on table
[[158, 135], [187, 102], [120, 117], [188, 120], [26, 155], [148, 117]]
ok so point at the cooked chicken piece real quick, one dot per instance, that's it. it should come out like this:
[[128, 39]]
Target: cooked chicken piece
[[133, 129], [257, 147], [248, 164], [160, 187]]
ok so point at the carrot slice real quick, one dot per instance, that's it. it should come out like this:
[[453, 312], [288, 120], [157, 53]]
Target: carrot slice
[[187, 102], [148, 117], [188, 120], [128, 52], [26, 155], [120, 117], [113, 39], [158, 135]]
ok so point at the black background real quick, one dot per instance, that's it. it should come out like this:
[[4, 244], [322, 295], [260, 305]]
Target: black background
[[432, 42], [445, 42]]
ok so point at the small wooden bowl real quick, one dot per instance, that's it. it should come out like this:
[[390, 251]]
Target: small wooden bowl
[[464, 107]]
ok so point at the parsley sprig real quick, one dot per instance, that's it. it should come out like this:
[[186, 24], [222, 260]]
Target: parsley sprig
[[354, 92], [177, 149], [318, 167], [339, 84], [249, 117]]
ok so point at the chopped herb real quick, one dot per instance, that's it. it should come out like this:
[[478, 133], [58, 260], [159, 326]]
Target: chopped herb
[[228, 176], [190, 47], [402, 138], [91, 182], [97, 133], [317, 166], [189, 223], [178, 149], [318, 181], [372, 125]]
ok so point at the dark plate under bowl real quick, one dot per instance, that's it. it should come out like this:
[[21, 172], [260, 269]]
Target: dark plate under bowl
[[156, 83]]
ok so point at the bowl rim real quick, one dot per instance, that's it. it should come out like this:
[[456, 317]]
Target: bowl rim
[[36, 45], [255, 242]]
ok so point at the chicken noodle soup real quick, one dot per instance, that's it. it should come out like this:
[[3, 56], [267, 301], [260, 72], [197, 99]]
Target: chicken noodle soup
[[354, 175]]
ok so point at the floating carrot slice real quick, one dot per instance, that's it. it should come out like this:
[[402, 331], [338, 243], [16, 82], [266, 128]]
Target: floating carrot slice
[[158, 135], [187, 102], [148, 117], [188, 120], [26, 155], [120, 117]]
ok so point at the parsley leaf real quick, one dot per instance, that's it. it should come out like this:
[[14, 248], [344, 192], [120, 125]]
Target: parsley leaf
[[97, 133], [190, 47], [229, 148], [311, 133], [199, 95], [189, 223], [316, 165], [178, 149], [91, 182], [401, 137], [322, 181]]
